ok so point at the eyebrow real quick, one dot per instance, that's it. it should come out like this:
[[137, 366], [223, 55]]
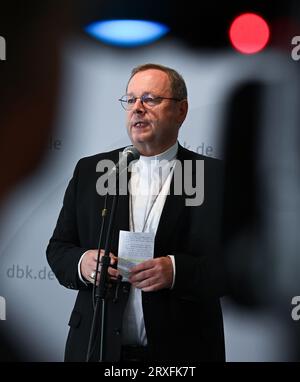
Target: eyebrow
[[146, 92]]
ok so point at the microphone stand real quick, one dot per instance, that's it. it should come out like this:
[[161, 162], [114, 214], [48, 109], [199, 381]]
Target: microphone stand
[[101, 289], [105, 262]]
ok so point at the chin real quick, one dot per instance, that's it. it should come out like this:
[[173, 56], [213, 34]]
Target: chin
[[141, 138]]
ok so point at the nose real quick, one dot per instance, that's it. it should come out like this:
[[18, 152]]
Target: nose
[[138, 106]]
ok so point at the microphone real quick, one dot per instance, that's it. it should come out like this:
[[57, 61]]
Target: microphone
[[128, 155]]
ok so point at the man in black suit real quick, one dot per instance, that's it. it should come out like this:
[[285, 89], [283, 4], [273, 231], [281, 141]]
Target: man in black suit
[[170, 309]]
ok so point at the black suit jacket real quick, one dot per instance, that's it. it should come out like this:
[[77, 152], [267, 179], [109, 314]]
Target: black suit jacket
[[184, 323]]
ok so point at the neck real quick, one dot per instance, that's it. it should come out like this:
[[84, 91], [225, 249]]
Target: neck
[[149, 151]]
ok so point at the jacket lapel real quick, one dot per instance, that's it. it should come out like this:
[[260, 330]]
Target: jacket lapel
[[173, 208], [121, 220]]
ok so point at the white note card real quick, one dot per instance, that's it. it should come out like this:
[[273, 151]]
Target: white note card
[[134, 248]]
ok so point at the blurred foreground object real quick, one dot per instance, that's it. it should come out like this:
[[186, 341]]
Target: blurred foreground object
[[33, 31]]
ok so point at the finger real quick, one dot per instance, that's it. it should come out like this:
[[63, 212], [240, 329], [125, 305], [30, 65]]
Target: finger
[[142, 266], [113, 272], [102, 253], [112, 261], [146, 283], [152, 288], [140, 276]]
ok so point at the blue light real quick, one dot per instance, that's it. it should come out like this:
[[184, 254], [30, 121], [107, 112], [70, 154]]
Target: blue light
[[127, 33]]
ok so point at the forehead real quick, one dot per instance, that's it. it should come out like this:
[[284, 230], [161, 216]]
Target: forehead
[[151, 81]]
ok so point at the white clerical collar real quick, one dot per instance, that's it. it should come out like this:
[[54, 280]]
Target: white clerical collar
[[167, 155]]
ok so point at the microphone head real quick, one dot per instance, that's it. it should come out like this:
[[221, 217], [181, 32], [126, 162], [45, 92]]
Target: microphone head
[[131, 153]]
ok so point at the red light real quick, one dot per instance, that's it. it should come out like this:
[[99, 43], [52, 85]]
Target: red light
[[249, 33]]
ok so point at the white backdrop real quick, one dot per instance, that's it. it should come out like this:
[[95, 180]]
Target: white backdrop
[[90, 120]]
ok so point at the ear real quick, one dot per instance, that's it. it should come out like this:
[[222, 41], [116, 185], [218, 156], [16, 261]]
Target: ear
[[182, 111]]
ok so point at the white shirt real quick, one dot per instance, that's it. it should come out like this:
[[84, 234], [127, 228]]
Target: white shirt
[[149, 186]]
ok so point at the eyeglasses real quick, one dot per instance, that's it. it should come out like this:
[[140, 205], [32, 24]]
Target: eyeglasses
[[148, 100]]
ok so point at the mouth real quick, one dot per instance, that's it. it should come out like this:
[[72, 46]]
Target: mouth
[[139, 124]]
